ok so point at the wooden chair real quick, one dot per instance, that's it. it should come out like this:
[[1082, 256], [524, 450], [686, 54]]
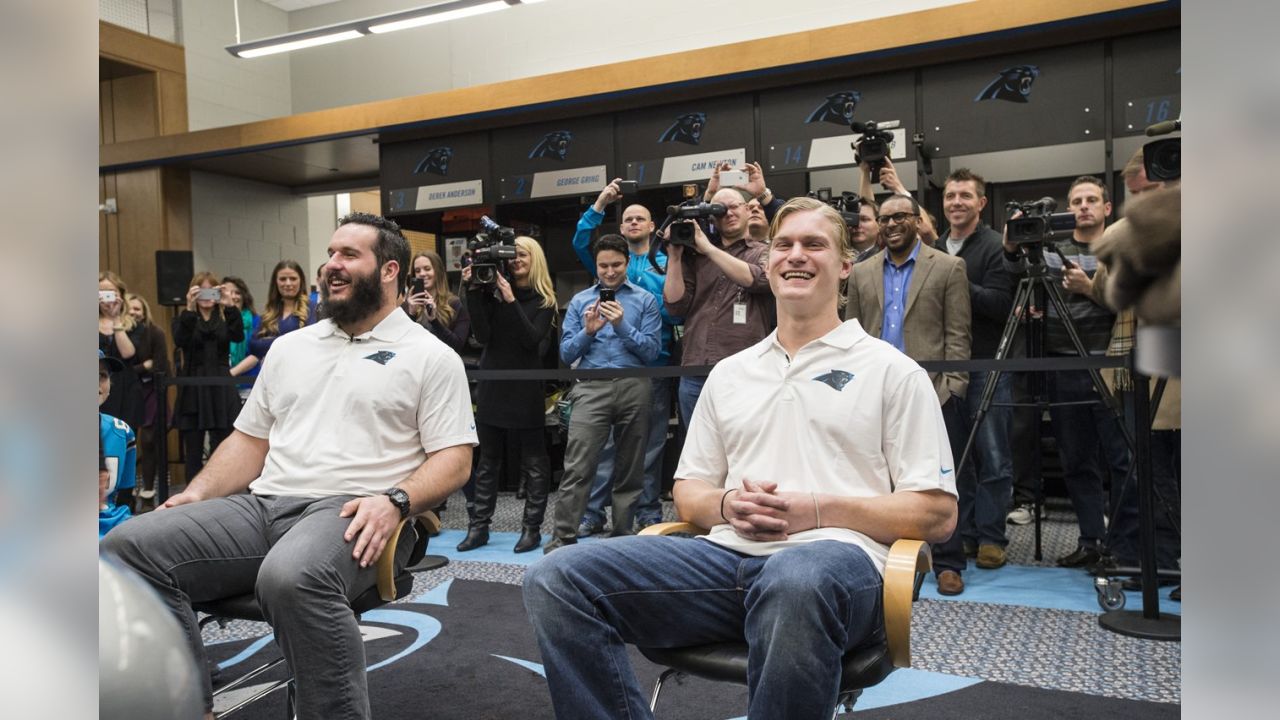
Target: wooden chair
[[390, 586], [909, 562]]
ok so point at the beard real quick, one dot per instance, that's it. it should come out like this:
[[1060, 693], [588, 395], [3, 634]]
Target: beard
[[365, 299]]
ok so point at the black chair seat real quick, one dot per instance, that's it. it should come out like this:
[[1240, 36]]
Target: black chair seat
[[727, 662], [245, 607]]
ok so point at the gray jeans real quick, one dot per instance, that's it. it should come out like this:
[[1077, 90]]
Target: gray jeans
[[289, 551], [600, 407]]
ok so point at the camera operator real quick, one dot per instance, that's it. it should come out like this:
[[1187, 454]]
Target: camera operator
[[614, 324], [985, 486], [720, 290], [512, 323], [916, 298], [636, 228], [1081, 430]]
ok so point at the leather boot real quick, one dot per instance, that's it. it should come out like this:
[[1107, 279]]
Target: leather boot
[[530, 538], [486, 499], [477, 536], [535, 476]]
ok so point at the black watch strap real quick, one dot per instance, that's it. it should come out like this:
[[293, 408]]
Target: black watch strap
[[400, 499]]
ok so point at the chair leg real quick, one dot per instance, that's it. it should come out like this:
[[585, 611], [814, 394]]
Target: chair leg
[[291, 701], [657, 687], [846, 702]]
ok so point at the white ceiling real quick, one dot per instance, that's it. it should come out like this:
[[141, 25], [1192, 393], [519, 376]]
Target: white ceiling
[[291, 5]]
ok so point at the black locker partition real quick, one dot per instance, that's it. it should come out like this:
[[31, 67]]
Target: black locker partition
[[1031, 99], [807, 127], [553, 159], [1148, 81], [680, 143], [435, 174]]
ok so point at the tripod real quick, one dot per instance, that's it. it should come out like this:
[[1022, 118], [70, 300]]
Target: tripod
[[1037, 280]]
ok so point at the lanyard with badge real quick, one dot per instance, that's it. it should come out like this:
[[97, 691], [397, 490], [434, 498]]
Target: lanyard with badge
[[740, 308]]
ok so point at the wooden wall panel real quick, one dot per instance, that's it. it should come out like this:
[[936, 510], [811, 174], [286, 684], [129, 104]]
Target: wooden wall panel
[[172, 96], [135, 107]]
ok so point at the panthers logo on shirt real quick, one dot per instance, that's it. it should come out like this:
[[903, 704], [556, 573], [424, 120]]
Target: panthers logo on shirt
[[836, 379], [382, 357]]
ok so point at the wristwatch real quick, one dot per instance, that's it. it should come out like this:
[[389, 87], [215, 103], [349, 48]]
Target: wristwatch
[[400, 499]]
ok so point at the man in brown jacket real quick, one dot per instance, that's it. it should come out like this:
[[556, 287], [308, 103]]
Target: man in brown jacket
[[916, 298]]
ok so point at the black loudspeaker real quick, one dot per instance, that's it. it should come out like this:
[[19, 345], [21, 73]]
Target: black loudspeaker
[[174, 270]]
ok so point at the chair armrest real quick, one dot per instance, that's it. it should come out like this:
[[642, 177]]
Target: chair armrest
[[673, 527], [907, 559], [387, 564]]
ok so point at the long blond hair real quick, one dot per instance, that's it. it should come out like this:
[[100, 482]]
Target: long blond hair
[[146, 306], [276, 310], [539, 276], [440, 291], [126, 320]]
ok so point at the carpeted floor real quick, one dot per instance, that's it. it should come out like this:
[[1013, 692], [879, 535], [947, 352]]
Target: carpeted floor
[[1022, 641], [463, 650]]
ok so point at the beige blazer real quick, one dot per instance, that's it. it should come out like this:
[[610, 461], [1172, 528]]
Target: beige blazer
[[937, 318]]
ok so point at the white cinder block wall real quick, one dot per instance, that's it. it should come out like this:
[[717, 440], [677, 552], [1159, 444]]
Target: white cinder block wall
[[225, 90], [241, 227]]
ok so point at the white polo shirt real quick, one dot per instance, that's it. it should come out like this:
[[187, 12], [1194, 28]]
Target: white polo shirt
[[848, 415], [355, 416]]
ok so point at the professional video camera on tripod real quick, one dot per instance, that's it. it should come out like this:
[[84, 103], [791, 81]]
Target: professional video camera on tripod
[[490, 251], [1033, 233]]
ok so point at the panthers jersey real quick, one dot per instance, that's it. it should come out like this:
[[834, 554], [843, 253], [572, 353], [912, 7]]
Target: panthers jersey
[[120, 451]]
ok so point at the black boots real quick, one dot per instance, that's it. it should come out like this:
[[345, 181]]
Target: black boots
[[530, 538], [477, 536], [486, 500]]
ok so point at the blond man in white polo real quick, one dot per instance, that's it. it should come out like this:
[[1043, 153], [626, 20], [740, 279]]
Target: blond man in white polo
[[808, 454]]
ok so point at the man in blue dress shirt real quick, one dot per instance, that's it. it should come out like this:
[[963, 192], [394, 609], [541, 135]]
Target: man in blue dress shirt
[[612, 324]]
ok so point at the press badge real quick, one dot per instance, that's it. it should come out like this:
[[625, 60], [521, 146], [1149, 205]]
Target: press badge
[[739, 313]]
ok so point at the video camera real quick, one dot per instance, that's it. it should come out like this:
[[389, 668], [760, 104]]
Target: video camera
[[490, 250], [1039, 222], [847, 204], [1162, 159], [681, 217], [874, 146]]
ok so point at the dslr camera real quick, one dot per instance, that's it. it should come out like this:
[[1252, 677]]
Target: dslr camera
[[681, 218], [874, 146], [490, 250], [1039, 222]]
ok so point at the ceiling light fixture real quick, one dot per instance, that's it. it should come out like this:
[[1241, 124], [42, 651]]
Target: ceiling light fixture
[[390, 22]]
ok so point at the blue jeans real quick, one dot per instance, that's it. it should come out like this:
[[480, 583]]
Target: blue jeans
[[799, 610], [985, 492], [688, 392], [1081, 431], [648, 509]]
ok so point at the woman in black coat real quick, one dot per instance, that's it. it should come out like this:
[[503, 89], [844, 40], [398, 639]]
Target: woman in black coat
[[203, 333], [152, 357], [513, 320]]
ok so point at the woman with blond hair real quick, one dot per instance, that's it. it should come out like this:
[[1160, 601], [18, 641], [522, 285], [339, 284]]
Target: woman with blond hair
[[152, 357], [513, 319], [203, 332], [287, 308], [114, 326], [436, 308]]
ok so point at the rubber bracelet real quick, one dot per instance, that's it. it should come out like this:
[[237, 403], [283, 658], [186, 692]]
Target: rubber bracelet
[[722, 499]]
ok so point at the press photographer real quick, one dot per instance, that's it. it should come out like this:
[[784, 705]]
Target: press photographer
[[1037, 235], [719, 289]]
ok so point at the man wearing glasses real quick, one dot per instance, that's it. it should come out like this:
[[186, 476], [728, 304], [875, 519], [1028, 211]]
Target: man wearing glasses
[[721, 291], [916, 298]]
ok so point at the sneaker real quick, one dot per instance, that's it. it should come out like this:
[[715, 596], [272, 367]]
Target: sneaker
[[1021, 515], [991, 557], [587, 528]]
